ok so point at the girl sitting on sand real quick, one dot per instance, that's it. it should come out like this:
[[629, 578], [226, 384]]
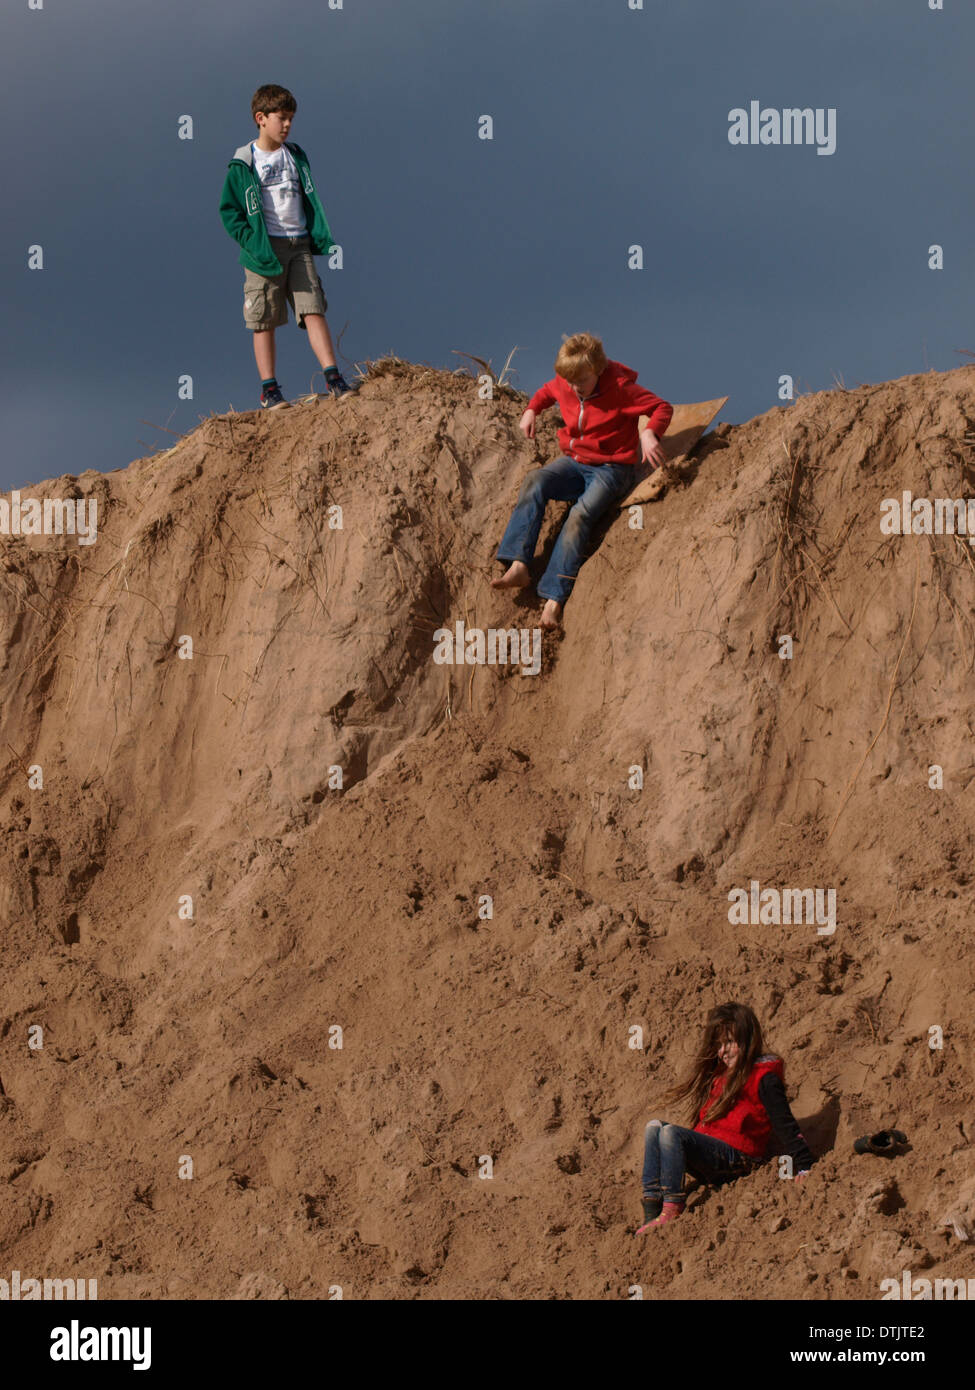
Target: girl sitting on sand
[[736, 1091]]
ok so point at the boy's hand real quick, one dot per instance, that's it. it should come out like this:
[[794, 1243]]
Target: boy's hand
[[653, 451], [527, 424]]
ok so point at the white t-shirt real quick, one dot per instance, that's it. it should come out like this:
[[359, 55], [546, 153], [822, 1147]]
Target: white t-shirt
[[284, 214]]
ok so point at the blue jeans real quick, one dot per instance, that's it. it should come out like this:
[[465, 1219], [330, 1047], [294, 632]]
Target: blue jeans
[[592, 487], [670, 1151]]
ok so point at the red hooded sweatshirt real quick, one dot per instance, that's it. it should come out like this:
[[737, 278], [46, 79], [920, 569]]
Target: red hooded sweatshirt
[[604, 427], [746, 1126]]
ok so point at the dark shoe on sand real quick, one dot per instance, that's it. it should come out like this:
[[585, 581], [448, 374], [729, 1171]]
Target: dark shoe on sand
[[886, 1143], [338, 386]]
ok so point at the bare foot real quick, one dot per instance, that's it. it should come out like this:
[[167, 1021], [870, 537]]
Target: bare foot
[[516, 576], [551, 615]]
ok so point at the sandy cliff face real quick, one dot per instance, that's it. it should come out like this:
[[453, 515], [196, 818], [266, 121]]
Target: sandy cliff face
[[361, 908]]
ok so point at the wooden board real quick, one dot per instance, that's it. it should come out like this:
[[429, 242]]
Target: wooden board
[[686, 427]]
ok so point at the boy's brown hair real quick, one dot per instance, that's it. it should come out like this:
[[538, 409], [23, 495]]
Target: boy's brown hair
[[580, 355], [271, 98]]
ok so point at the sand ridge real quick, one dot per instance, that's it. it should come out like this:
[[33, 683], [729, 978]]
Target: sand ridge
[[361, 908]]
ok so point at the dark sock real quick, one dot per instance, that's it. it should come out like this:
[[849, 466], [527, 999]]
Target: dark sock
[[271, 381], [652, 1207], [331, 372]]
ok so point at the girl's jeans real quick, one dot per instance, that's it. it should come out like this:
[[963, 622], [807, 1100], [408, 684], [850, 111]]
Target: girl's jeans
[[592, 487], [670, 1151]]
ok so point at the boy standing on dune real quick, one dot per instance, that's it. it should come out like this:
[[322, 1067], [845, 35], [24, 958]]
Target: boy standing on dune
[[271, 209], [601, 405]]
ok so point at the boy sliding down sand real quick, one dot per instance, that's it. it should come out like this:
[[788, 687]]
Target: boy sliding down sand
[[601, 405]]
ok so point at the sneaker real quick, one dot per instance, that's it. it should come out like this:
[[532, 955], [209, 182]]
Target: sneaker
[[888, 1143], [338, 386], [270, 400]]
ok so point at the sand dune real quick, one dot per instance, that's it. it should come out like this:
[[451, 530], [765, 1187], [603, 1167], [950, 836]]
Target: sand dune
[[361, 908]]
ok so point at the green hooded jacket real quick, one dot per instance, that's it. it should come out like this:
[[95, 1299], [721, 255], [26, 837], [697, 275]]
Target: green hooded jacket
[[242, 211]]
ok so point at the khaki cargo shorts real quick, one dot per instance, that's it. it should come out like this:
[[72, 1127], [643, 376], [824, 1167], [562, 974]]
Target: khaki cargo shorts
[[266, 298]]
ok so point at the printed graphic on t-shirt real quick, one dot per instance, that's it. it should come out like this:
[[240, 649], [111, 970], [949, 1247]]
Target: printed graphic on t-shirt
[[284, 214]]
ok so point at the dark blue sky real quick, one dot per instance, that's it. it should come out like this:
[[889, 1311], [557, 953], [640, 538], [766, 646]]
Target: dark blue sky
[[610, 128]]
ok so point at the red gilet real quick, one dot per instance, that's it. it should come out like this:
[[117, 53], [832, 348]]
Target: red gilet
[[746, 1126]]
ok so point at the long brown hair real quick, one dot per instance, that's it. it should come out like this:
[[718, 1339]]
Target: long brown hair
[[738, 1021]]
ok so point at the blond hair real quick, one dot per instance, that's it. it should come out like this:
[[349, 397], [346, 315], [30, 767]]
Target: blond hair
[[579, 355]]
